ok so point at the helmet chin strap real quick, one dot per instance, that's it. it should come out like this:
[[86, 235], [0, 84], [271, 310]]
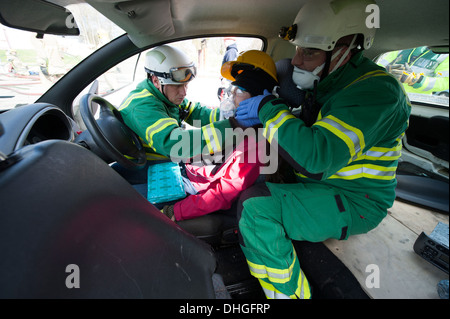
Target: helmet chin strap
[[162, 88], [350, 47], [326, 66], [330, 57]]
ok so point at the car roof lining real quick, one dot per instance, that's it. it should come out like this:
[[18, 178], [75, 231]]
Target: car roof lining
[[139, 17], [150, 22]]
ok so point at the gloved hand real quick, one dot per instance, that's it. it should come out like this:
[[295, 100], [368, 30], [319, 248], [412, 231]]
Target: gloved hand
[[247, 111], [397, 74], [412, 79], [399, 70], [409, 78], [398, 67]]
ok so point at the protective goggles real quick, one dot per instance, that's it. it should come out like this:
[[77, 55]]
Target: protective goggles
[[179, 75], [308, 54], [237, 90], [183, 74]]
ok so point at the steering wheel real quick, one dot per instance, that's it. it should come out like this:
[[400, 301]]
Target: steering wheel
[[110, 134]]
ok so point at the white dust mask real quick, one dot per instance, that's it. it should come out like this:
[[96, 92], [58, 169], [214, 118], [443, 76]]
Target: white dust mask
[[305, 79]]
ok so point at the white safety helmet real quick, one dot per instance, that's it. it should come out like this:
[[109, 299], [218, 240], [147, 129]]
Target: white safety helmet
[[321, 23], [170, 65]]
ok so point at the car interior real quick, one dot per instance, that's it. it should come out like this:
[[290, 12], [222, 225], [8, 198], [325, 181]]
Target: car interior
[[62, 204]]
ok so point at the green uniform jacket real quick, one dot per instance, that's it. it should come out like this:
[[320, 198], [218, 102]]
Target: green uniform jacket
[[157, 121], [356, 142]]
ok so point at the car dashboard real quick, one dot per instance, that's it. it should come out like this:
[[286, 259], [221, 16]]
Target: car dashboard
[[32, 124]]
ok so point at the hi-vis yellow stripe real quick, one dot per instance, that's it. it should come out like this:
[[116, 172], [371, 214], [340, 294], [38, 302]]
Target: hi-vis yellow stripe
[[366, 171], [211, 138], [138, 95], [213, 115], [275, 123], [362, 171], [158, 126], [350, 135], [150, 155], [302, 291], [273, 274], [280, 276], [369, 75], [373, 171], [271, 292], [382, 153]]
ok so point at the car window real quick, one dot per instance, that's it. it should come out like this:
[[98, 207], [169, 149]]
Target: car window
[[207, 53], [422, 72], [112, 85], [29, 66]]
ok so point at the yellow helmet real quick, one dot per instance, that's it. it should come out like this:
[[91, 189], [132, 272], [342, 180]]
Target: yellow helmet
[[258, 59]]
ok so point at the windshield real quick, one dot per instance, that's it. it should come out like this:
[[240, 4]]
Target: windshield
[[29, 66]]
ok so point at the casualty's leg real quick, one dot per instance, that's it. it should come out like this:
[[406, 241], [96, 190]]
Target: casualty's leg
[[269, 252]]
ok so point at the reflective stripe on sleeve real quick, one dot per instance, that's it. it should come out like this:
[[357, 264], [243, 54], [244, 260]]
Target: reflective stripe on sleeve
[[350, 135], [211, 138], [158, 126], [275, 123], [213, 116]]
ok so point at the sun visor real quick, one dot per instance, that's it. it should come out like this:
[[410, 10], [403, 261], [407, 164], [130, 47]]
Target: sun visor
[[37, 16], [138, 17]]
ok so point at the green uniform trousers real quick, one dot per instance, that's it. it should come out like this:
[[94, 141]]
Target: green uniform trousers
[[271, 215]]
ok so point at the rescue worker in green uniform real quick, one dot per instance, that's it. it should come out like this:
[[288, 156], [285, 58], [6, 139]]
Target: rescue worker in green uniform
[[419, 69], [345, 158], [157, 107]]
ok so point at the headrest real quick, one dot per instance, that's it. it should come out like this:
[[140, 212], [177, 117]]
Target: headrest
[[288, 90]]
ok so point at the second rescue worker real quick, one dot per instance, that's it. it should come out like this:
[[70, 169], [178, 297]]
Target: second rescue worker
[[344, 147]]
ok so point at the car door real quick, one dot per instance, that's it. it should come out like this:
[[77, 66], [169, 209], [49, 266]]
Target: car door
[[423, 168]]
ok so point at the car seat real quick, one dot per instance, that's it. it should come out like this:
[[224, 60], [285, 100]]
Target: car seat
[[63, 208]]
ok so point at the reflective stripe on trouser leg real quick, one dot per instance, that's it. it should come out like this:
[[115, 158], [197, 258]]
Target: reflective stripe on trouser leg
[[269, 252], [290, 279]]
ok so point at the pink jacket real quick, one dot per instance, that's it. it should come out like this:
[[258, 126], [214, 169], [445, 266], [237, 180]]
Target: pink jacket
[[218, 190]]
